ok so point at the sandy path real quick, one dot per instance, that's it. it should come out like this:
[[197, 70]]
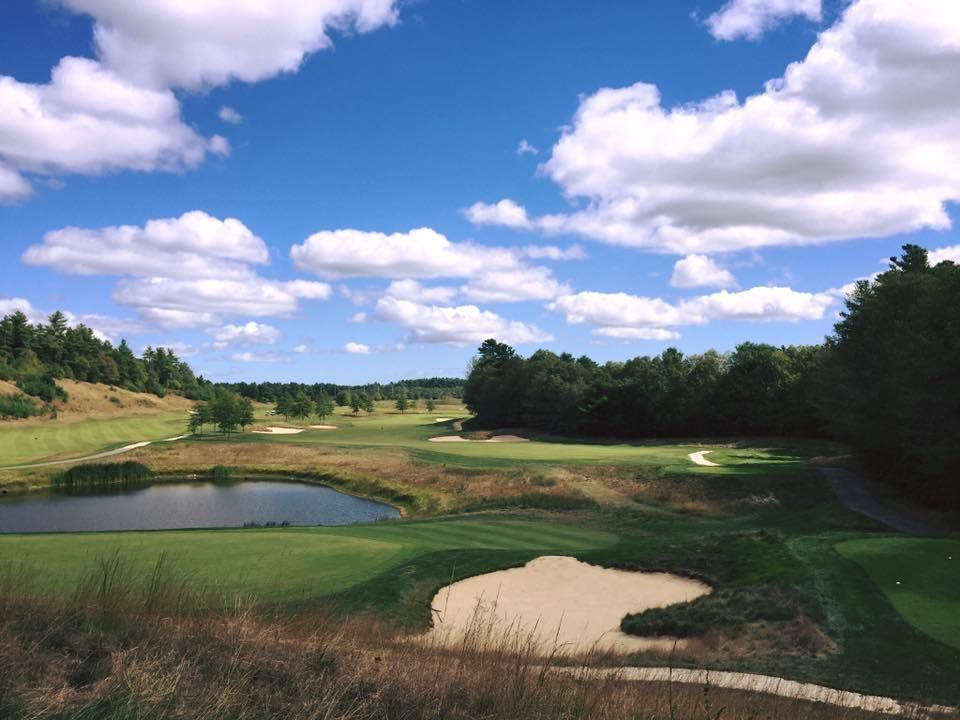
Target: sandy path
[[557, 602], [698, 458], [768, 685], [95, 456], [278, 431], [494, 439], [853, 492]]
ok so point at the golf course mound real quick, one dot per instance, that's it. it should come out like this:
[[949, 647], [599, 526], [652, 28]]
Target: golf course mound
[[556, 603], [494, 439], [278, 431]]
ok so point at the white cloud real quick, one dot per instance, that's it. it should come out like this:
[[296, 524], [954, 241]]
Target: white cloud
[[230, 115], [360, 317], [413, 290], [642, 333], [179, 272], [192, 245], [465, 324], [552, 252], [8, 306], [700, 271], [856, 140], [525, 148], [529, 283], [357, 348], [618, 314], [119, 111], [301, 349], [258, 357], [183, 43], [951, 253], [103, 326], [420, 253], [90, 121], [506, 212], [751, 18], [251, 333]]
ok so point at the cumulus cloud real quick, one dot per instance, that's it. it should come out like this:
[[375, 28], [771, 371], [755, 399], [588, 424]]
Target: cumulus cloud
[[700, 271], [461, 325], [188, 271], [182, 43], [420, 253], [192, 245], [525, 148], [620, 314], [856, 140], [360, 317], [641, 333], [552, 252], [413, 290], [89, 120], [751, 18], [230, 115], [530, 283], [939, 255], [119, 111], [301, 349], [506, 213], [258, 357], [251, 333], [103, 326], [356, 348]]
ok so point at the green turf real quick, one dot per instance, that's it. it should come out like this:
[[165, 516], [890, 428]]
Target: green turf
[[35, 442], [920, 577], [281, 564]]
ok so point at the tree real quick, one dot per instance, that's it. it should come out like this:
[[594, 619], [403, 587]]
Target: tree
[[361, 401], [402, 403], [323, 406], [245, 413], [344, 398], [368, 405], [431, 405], [301, 407], [226, 411], [283, 405]]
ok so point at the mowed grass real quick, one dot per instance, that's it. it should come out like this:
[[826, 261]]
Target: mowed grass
[[51, 440], [278, 564], [919, 576]]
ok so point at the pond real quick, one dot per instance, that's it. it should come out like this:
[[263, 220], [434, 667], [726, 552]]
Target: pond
[[169, 506]]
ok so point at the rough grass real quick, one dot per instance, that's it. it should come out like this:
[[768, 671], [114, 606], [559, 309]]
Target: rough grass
[[920, 577], [119, 648]]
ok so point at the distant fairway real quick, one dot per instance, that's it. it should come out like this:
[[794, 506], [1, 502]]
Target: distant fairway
[[54, 439], [282, 563], [918, 577]]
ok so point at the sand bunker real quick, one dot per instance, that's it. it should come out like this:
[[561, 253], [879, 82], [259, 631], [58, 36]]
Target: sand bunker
[[278, 431], [442, 419], [560, 602], [324, 427], [494, 439], [698, 458]]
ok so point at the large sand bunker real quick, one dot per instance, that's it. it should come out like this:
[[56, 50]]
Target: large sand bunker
[[323, 427], [557, 602], [494, 439], [278, 431], [698, 459]]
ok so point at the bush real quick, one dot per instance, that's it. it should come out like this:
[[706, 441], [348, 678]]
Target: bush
[[534, 501], [125, 473], [17, 406], [220, 472], [42, 386]]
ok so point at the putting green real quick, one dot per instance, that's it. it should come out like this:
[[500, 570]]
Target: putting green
[[281, 563], [920, 577]]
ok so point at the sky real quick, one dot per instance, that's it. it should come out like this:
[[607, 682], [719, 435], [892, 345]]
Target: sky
[[358, 190]]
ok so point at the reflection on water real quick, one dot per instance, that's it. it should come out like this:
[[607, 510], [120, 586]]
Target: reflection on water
[[185, 505]]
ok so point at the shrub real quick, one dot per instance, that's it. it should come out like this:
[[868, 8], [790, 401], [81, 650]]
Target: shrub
[[42, 386], [17, 406], [123, 473]]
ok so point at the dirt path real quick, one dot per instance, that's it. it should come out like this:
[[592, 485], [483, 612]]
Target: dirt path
[[95, 456], [855, 493], [769, 685]]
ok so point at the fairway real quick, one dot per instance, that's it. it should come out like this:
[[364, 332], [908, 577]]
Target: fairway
[[920, 577], [283, 563], [55, 439]]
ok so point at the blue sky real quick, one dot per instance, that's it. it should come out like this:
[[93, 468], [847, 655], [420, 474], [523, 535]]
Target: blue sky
[[275, 205]]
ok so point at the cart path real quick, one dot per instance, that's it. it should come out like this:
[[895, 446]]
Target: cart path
[[95, 456]]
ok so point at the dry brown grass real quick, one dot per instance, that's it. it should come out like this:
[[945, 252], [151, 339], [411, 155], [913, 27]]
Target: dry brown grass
[[99, 657]]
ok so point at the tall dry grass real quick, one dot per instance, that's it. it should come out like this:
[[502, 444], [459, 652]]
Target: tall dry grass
[[128, 646]]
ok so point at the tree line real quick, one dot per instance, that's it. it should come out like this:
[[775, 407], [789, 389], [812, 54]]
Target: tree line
[[435, 388], [887, 381]]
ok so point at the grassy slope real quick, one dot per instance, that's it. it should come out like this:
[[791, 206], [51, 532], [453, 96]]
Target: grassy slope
[[283, 564], [918, 577]]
